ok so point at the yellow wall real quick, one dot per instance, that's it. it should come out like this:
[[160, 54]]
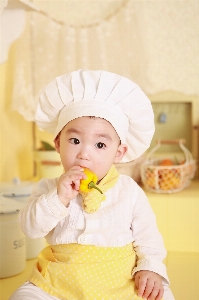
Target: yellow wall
[[15, 132]]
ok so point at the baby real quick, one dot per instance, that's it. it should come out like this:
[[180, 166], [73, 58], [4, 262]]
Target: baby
[[101, 246]]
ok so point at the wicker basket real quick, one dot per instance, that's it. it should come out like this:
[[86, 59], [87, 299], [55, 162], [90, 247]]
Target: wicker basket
[[167, 178]]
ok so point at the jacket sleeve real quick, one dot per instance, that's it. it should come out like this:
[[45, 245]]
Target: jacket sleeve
[[148, 242], [43, 210]]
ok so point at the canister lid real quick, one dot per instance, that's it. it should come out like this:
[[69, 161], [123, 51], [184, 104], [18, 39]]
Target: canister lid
[[8, 205], [16, 188]]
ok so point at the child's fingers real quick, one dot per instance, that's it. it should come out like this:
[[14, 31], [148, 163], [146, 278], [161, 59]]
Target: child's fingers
[[155, 294], [73, 180], [160, 294], [148, 286], [76, 184], [141, 285], [72, 175], [68, 184]]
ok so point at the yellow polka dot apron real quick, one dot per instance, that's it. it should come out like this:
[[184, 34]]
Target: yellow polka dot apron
[[87, 272]]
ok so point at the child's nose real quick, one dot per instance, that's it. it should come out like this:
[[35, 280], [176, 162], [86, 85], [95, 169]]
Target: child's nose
[[83, 154]]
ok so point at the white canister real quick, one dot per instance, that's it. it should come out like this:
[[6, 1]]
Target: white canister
[[12, 240], [34, 247], [20, 191]]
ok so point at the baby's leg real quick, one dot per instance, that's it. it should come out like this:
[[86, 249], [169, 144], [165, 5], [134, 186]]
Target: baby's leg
[[29, 291]]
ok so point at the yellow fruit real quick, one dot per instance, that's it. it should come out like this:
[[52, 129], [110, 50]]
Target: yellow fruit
[[168, 180]]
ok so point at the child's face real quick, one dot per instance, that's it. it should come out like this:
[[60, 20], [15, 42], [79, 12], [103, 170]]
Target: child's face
[[89, 142]]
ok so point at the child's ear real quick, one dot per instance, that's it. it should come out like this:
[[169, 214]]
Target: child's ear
[[122, 149], [57, 143]]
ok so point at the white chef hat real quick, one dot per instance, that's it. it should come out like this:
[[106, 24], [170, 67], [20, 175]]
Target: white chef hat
[[101, 94]]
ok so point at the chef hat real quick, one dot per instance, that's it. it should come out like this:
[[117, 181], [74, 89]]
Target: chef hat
[[101, 94]]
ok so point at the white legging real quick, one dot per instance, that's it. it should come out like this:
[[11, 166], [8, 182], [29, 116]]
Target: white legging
[[29, 291]]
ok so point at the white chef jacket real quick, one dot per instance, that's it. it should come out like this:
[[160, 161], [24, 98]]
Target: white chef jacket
[[124, 217]]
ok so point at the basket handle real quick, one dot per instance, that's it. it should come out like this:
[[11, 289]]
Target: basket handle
[[171, 142], [180, 142]]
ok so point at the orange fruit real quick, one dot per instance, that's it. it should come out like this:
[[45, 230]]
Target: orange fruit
[[166, 162]]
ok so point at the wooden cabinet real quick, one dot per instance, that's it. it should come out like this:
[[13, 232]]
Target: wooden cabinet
[[181, 120]]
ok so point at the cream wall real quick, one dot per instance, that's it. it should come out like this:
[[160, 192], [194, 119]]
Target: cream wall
[[15, 132]]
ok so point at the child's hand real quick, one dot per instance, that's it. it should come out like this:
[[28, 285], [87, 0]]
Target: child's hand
[[149, 285], [68, 184]]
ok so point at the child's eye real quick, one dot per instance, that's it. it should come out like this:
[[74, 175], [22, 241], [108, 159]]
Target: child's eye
[[74, 141], [100, 145]]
